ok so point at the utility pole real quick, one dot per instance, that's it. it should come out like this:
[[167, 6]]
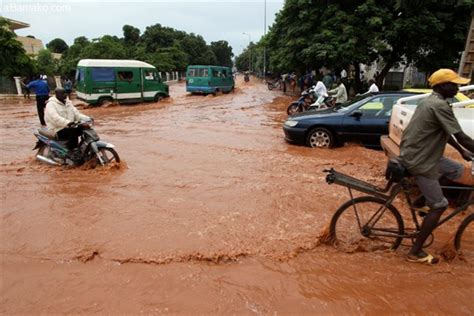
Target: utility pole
[[264, 34], [250, 52]]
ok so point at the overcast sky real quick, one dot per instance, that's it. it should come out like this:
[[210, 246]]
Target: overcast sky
[[214, 20]]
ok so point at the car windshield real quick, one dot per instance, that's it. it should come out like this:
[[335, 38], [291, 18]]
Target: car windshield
[[351, 104]]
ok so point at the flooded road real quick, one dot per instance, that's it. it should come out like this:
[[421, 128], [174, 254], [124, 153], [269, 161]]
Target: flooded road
[[211, 211]]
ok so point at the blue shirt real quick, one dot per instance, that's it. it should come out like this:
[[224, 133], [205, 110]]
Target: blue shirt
[[40, 87]]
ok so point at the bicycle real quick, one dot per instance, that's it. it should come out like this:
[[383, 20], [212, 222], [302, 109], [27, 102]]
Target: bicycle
[[380, 225]]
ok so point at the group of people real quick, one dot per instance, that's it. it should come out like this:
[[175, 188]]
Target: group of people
[[324, 87]]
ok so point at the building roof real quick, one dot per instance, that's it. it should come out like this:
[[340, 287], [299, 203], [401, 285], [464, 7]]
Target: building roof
[[114, 63], [16, 25]]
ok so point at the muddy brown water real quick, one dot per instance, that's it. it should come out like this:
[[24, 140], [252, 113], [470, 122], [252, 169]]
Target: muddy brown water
[[211, 212]]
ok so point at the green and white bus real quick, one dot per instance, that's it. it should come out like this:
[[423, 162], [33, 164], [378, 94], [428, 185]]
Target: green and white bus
[[209, 79], [128, 81]]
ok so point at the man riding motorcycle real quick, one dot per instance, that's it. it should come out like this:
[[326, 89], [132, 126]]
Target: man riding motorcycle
[[60, 115]]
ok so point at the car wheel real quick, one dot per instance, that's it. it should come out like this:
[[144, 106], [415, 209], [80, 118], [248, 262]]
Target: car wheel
[[320, 138]]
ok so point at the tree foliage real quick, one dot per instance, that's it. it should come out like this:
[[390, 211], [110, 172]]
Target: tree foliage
[[223, 53], [13, 58], [309, 34], [57, 45], [164, 47], [45, 63]]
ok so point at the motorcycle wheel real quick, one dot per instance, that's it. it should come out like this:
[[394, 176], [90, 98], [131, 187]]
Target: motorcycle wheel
[[270, 86], [293, 109], [109, 155], [43, 151]]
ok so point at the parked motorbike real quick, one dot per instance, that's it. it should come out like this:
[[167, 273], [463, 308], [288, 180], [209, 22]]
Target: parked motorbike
[[246, 78], [90, 148]]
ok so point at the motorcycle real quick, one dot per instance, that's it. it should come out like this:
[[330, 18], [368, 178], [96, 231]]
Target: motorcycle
[[274, 85], [246, 78], [309, 101], [90, 148]]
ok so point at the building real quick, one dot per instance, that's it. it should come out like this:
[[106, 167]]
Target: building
[[31, 45]]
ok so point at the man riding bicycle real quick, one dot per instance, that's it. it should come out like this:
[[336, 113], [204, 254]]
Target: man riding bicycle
[[432, 126]]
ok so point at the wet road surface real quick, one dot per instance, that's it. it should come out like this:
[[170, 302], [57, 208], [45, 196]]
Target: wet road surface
[[211, 211]]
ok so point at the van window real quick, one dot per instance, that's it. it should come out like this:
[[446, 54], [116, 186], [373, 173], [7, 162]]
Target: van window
[[150, 75], [80, 74], [125, 75], [215, 73], [102, 74], [198, 72]]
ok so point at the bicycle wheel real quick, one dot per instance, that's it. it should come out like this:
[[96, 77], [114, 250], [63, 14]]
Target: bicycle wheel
[[464, 236], [366, 224]]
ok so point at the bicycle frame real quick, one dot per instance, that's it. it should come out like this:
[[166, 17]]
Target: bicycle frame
[[367, 229]]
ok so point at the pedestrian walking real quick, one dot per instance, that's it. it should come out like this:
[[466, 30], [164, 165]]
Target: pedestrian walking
[[68, 87], [41, 90], [26, 91]]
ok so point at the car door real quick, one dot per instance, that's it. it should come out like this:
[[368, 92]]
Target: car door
[[368, 122]]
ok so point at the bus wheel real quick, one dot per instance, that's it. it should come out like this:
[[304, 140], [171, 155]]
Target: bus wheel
[[105, 101], [158, 98]]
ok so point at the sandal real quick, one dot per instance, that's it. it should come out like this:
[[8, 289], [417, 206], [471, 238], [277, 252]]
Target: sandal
[[428, 259], [422, 211]]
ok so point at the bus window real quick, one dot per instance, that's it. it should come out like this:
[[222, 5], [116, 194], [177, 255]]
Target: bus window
[[198, 72], [102, 74], [125, 75]]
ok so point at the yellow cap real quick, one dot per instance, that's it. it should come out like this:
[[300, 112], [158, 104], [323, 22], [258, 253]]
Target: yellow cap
[[446, 75]]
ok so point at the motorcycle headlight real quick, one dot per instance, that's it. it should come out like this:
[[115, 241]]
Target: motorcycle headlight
[[291, 123]]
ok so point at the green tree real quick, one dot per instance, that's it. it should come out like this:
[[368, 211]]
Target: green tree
[[106, 47], [45, 63], [428, 33], [57, 45], [13, 58], [69, 60], [131, 35], [199, 53], [157, 36], [169, 59], [164, 47], [252, 56], [223, 53]]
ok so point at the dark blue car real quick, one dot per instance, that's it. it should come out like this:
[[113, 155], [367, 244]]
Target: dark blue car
[[361, 120]]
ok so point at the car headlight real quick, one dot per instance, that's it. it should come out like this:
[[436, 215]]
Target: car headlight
[[291, 123]]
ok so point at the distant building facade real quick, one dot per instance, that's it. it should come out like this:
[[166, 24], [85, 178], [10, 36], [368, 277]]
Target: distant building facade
[[31, 45]]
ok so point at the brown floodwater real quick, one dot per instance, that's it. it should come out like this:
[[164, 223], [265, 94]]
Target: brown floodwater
[[210, 212]]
